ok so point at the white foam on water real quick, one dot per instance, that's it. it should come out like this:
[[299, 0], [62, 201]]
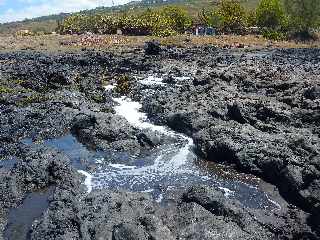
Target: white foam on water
[[170, 162], [131, 112], [182, 78], [88, 181], [274, 202], [144, 177], [147, 191], [100, 160], [110, 87], [160, 198], [227, 191], [182, 155], [152, 80], [170, 167], [121, 166]]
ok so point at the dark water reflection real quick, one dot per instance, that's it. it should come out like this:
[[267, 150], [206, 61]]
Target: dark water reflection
[[161, 170], [20, 219]]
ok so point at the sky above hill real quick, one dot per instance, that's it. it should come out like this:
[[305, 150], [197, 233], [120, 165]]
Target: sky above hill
[[13, 10]]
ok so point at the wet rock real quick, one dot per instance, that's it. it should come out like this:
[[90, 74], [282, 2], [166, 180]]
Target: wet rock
[[104, 131], [241, 221], [126, 231], [58, 79], [312, 93], [169, 80], [149, 138], [42, 167], [271, 131], [254, 151], [201, 213], [152, 48], [82, 121], [101, 215], [201, 81], [255, 118], [38, 169], [234, 113], [180, 122]]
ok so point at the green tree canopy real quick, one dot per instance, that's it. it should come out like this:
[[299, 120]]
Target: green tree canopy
[[177, 17], [232, 16], [228, 16], [304, 14], [209, 17], [270, 14]]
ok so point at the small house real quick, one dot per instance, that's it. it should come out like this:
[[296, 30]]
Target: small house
[[201, 30]]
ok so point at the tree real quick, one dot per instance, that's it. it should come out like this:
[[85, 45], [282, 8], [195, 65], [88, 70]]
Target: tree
[[209, 18], [232, 16], [270, 14], [76, 23], [304, 14], [252, 18], [178, 18]]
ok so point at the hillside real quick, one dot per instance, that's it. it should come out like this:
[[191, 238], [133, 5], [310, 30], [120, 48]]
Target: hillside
[[49, 23]]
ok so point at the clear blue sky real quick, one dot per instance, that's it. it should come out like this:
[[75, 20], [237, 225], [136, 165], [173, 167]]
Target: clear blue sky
[[12, 10]]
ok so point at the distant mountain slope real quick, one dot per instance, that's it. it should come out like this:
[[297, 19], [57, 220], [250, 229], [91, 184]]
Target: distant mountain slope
[[49, 23]]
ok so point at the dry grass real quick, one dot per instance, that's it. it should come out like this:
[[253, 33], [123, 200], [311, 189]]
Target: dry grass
[[58, 43]]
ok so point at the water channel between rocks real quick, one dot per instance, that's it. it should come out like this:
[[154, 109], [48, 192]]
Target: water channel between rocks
[[168, 167], [20, 219]]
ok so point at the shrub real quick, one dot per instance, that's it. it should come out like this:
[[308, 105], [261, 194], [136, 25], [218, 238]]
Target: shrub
[[166, 22], [103, 24], [177, 18], [158, 24], [209, 18], [274, 35], [123, 84], [304, 15], [4, 89], [252, 18], [232, 16], [134, 25], [76, 23], [270, 14]]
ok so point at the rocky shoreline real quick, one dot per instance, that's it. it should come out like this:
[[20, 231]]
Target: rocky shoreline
[[257, 112]]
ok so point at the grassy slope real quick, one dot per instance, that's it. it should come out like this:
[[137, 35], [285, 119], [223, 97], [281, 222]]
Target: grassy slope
[[49, 23]]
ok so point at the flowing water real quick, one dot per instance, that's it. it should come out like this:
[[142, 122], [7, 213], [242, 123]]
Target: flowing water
[[170, 166]]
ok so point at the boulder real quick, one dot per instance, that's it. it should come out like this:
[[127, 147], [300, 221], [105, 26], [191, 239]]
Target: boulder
[[312, 93], [152, 48]]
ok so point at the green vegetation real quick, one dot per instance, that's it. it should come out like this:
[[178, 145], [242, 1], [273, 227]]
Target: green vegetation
[[178, 18], [164, 22], [33, 98], [276, 19], [99, 98], [228, 16], [274, 35], [5, 90], [209, 17], [123, 84], [232, 16], [11, 92], [270, 14], [304, 16], [282, 19], [272, 20], [48, 24]]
